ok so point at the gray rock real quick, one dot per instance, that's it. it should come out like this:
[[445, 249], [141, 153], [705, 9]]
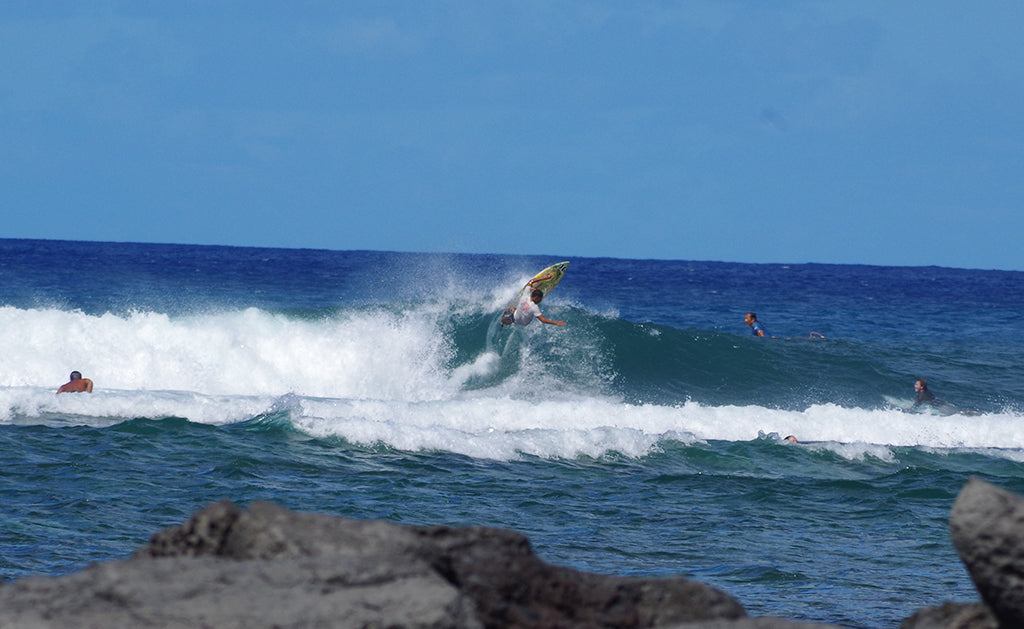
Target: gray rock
[[953, 616], [754, 623], [987, 526], [269, 567]]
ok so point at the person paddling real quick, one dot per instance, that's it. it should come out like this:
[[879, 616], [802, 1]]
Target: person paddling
[[77, 384], [926, 397]]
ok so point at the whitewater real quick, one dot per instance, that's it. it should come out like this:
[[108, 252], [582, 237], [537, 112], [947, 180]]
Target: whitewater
[[374, 376]]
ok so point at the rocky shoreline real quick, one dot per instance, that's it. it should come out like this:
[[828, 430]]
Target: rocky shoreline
[[265, 566]]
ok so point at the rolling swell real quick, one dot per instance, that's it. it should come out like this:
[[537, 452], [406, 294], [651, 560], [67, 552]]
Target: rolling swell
[[665, 365], [660, 364]]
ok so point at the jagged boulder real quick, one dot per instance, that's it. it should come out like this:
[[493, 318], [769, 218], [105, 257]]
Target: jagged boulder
[[987, 526], [266, 566], [953, 616]]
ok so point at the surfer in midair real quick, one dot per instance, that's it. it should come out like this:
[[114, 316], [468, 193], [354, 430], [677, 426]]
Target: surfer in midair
[[527, 309]]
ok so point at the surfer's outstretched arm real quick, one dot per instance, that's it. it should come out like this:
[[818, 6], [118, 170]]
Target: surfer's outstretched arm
[[540, 279], [544, 319]]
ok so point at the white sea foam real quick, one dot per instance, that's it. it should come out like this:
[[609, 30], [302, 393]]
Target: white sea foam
[[501, 428], [376, 354], [506, 428]]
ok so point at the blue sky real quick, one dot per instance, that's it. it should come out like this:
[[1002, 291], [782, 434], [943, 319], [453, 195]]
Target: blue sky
[[748, 131]]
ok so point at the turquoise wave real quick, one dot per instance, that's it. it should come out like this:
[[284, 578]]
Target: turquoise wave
[[661, 364]]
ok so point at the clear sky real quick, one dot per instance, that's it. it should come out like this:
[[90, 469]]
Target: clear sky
[[748, 131]]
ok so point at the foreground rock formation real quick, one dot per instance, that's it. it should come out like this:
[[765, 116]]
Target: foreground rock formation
[[268, 567], [987, 526]]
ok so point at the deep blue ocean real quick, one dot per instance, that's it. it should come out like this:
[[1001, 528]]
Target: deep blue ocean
[[646, 437]]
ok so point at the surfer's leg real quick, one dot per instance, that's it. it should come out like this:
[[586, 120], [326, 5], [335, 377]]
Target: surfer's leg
[[506, 317]]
